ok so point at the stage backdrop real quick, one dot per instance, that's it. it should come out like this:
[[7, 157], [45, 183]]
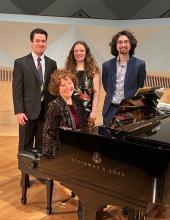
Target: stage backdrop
[[153, 46], [153, 38]]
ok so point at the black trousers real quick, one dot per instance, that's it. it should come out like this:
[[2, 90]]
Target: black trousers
[[30, 135], [107, 118]]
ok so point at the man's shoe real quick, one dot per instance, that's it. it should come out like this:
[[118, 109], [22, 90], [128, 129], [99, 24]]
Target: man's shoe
[[73, 195]]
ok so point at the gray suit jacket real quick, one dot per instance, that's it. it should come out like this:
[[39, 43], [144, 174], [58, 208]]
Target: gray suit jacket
[[134, 79], [27, 88]]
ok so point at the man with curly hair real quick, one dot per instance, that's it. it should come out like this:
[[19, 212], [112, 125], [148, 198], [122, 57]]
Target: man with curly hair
[[123, 75]]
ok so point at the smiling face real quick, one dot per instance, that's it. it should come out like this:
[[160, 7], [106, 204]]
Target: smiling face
[[79, 53], [123, 45], [66, 88], [39, 44]]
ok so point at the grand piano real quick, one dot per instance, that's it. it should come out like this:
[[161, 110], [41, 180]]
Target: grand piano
[[125, 164]]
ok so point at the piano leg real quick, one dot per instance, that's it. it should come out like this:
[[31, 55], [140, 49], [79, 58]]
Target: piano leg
[[49, 185], [135, 215], [99, 215], [140, 216], [24, 182], [87, 214], [80, 211]]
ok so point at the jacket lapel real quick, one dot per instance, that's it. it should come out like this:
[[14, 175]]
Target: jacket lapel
[[32, 66], [47, 68], [113, 70], [129, 69]]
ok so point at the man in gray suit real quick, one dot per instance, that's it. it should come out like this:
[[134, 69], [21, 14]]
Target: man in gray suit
[[31, 76], [123, 75]]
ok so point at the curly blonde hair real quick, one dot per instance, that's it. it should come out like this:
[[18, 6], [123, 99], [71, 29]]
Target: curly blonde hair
[[90, 64], [56, 77]]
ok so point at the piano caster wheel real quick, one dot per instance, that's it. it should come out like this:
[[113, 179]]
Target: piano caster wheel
[[49, 211], [23, 201]]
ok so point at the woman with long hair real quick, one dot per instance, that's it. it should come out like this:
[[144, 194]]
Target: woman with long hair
[[81, 62]]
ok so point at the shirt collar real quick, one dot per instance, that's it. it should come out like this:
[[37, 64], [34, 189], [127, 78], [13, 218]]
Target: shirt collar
[[118, 59], [35, 56]]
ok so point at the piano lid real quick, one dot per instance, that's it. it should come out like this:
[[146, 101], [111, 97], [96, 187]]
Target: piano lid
[[154, 131], [159, 132], [140, 117]]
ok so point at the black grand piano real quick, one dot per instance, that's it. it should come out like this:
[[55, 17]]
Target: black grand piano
[[125, 163]]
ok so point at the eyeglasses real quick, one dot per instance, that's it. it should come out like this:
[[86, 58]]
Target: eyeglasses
[[123, 42]]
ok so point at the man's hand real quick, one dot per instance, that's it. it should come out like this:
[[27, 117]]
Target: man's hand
[[21, 118]]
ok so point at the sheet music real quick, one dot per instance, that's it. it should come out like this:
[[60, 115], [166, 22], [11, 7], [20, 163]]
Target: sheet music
[[164, 107]]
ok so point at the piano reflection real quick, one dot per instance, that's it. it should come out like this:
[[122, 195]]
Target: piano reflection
[[126, 164]]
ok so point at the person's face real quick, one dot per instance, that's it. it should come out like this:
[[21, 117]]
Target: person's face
[[123, 45], [79, 52], [39, 44], [66, 88]]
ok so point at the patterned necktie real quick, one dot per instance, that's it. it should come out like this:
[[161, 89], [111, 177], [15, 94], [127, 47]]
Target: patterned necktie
[[39, 70]]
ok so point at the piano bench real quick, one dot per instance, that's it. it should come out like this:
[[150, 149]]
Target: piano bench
[[28, 163]]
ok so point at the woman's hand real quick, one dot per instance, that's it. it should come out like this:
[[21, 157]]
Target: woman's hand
[[92, 117]]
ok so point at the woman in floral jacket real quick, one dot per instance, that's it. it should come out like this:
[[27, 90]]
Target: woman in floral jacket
[[81, 62], [65, 111]]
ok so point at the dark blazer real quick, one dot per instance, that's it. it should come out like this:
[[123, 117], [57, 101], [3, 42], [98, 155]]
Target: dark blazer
[[134, 79], [27, 88]]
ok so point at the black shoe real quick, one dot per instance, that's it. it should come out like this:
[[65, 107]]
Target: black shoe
[[73, 195]]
